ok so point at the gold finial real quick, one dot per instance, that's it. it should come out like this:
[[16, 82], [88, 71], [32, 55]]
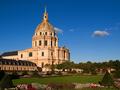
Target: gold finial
[[45, 18]]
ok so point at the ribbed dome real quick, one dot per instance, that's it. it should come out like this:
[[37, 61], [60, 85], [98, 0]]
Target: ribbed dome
[[45, 25]]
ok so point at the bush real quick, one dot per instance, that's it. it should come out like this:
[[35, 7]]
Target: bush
[[14, 75], [49, 73], [35, 74], [24, 73]]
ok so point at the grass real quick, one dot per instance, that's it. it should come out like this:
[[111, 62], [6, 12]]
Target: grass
[[60, 79], [64, 79]]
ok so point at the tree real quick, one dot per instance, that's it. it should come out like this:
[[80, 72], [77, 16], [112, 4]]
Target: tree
[[116, 74], [66, 65], [107, 80], [2, 74], [6, 82]]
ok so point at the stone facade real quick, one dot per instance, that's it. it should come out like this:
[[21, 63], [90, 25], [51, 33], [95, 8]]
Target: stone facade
[[45, 49]]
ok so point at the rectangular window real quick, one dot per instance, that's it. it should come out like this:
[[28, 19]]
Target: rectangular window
[[40, 33], [45, 42], [30, 54], [42, 53], [45, 33], [21, 55], [40, 43], [51, 43]]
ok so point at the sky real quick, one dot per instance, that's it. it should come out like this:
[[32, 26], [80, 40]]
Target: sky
[[89, 28]]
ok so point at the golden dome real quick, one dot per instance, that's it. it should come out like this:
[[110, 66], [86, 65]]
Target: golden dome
[[45, 25]]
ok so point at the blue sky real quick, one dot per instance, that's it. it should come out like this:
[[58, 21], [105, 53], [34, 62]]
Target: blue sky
[[90, 28]]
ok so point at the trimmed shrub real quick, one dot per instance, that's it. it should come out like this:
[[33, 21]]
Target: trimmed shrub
[[107, 80]]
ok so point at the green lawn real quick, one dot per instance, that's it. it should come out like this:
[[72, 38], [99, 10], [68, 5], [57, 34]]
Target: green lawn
[[60, 79], [64, 79]]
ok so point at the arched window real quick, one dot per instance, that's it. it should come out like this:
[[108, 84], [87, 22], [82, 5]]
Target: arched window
[[42, 54], [40, 43], [40, 33], [51, 34], [21, 55], [51, 43], [45, 43], [45, 33]]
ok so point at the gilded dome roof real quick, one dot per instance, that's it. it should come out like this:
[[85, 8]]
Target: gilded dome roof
[[44, 25]]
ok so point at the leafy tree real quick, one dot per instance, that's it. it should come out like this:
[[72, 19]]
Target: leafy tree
[[107, 80], [93, 71], [66, 65], [2, 73], [6, 82], [116, 74]]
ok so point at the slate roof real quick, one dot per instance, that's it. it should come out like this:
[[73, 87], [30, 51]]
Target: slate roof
[[16, 62], [10, 53]]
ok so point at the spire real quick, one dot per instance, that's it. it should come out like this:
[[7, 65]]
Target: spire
[[45, 9], [45, 18]]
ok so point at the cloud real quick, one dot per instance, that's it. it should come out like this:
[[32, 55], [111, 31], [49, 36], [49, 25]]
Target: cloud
[[100, 33], [72, 30], [58, 30]]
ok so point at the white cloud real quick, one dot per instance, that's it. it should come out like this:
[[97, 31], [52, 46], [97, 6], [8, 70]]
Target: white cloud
[[58, 30], [100, 33]]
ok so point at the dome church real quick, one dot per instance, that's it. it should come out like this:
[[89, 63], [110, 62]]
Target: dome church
[[45, 49]]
